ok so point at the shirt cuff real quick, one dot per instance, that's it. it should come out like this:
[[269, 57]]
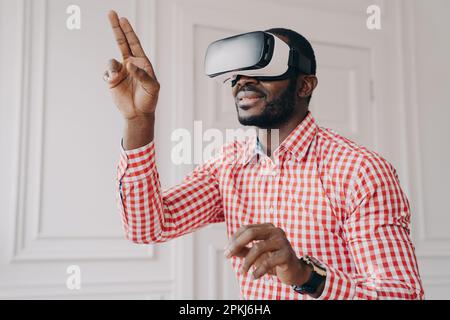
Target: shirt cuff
[[338, 286], [136, 164]]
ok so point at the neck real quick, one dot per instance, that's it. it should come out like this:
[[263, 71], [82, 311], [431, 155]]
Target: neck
[[268, 138]]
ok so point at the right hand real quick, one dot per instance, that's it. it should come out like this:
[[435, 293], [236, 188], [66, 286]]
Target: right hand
[[132, 82]]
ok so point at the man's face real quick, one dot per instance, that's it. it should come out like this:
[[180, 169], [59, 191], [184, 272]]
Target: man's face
[[264, 104]]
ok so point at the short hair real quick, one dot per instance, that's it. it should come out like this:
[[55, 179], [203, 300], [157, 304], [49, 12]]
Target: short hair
[[300, 43]]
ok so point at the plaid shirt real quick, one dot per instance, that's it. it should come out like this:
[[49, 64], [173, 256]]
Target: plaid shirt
[[336, 201]]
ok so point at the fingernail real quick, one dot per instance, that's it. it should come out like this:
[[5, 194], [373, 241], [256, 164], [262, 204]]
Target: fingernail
[[227, 253]]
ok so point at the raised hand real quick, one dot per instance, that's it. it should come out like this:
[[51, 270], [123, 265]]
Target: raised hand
[[132, 82]]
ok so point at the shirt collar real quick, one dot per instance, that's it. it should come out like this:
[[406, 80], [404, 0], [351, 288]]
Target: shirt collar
[[297, 142], [252, 148]]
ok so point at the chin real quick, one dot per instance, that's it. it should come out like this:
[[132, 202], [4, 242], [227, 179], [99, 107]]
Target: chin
[[253, 122], [245, 121]]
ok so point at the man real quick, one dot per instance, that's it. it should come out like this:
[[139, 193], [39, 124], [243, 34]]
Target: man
[[331, 222]]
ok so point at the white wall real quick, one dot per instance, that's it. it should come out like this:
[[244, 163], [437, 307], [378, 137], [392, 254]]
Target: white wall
[[60, 133], [427, 110]]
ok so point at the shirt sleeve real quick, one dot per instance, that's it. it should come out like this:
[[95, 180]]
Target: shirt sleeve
[[152, 215], [378, 236]]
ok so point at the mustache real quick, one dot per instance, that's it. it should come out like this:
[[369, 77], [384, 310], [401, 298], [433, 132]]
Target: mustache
[[250, 87]]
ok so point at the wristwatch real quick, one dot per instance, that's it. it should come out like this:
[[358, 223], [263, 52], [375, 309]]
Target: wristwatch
[[318, 275]]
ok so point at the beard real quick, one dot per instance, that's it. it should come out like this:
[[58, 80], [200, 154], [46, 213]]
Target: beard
[[276, 112]]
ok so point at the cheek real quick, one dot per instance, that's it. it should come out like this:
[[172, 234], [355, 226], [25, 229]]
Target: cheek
[[275, 89]]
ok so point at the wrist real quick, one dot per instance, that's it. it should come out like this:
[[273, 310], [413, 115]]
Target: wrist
[[313, 277], [141, 120], [304, 274], [139, 131]]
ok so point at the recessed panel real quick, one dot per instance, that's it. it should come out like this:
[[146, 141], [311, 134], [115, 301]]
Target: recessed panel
[[342, 100], [82, 126]]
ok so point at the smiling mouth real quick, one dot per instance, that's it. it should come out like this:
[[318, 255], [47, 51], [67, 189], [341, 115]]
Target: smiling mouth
[[247, 99], [247, 103]]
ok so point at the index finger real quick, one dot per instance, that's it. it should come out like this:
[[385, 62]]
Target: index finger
[[246, 227], [119, 35], [247, 236]]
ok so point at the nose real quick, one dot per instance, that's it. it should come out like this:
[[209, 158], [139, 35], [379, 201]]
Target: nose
[[243, 80]]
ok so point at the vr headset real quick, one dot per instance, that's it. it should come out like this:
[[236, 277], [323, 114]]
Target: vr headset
[[258, 54]]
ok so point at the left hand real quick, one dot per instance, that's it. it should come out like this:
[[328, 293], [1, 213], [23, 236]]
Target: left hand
[[272, 253]]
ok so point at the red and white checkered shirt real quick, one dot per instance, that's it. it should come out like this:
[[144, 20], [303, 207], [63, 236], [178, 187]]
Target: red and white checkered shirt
[[336, 201]]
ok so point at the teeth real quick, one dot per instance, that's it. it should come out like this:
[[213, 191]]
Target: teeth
[[255, 98]]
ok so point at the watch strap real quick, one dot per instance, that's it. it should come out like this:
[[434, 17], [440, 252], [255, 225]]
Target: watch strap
[[318, 275]]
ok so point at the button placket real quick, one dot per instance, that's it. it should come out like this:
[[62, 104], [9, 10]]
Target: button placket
[[276, 175]]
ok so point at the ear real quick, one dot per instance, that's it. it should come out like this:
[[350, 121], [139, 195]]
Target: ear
[[306, 85]]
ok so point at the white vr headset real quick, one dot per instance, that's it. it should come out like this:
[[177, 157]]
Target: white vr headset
[[258, 54]]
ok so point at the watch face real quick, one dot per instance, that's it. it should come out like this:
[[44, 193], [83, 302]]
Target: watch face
[[318, 275], [305, 289]]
